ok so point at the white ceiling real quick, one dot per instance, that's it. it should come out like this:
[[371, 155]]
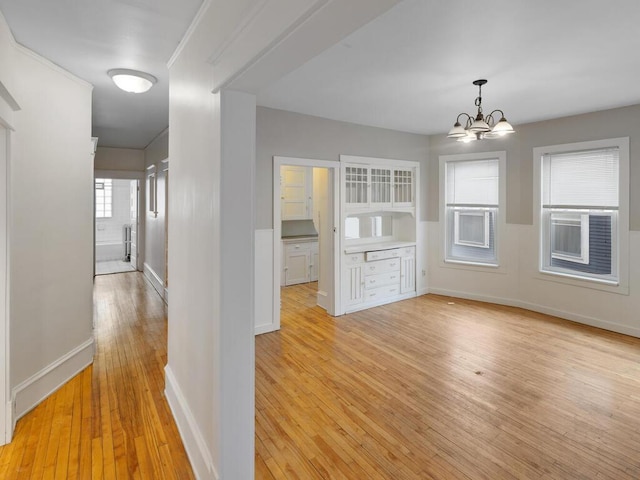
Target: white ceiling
[[412, 68], [89, 37]]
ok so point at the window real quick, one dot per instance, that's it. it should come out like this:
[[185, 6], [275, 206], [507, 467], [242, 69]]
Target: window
[[472, 205], [104, 189], [580, 201]]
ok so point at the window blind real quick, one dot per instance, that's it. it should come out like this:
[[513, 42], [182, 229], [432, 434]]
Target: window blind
[[581, 179], [473, 182]]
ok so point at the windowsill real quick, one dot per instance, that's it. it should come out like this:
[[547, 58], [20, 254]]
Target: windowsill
[[611, 286]]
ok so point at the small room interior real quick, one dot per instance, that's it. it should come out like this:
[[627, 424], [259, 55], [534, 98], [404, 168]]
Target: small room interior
[[116, 204], [306, 199]]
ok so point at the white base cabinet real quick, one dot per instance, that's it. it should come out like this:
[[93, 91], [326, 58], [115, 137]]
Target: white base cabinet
[[376, 277], [301, 260]]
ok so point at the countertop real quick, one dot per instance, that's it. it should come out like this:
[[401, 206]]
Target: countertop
[[372, 247], [300, 238]]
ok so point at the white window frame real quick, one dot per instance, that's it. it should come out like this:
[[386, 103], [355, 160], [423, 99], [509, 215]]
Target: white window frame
[[103, 201], [500, 224], [471, 213], [620, 222]]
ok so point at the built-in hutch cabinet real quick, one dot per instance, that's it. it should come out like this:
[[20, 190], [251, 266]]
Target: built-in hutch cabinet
[[379, 217], [379, 187]]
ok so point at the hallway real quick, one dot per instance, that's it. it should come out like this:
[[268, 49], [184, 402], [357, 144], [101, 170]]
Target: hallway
[[111, 420]]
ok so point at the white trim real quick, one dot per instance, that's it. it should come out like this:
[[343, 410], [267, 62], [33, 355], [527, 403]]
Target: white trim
[[6, 423], [583, 319], [8, 98], [118, 174], [501, 224], [29, 393], [245, 23], [278, 161], [622, 235], [189, 33], [154, 279], [264, 276], [52, 66], [192, 437]]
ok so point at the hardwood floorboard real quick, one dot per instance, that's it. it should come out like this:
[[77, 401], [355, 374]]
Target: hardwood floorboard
[[443, 388], [111, 421]]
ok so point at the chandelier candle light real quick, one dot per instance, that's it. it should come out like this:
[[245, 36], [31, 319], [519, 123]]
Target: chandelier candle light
[[480, 127]]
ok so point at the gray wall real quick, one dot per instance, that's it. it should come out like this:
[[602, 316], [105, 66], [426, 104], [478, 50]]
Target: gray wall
[[295, 135], [127, 159], [619, 122]]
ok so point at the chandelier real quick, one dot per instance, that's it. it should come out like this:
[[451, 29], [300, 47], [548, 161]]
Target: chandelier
[[480, 127]]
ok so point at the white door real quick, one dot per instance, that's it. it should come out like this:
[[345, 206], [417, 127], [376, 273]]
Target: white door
[[407, 274], [133, 220]]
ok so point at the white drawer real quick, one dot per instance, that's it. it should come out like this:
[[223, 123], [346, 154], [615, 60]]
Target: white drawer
[[408, 251], [298, 247], [353, 258], [381, 266], [382, 254], [381, 292], [382, 279]]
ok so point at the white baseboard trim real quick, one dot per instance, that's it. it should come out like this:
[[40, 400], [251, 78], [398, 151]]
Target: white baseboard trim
[[40, 385], [593, 322], [322, 298], [260, 329], [155, 280], [423, 291], [194, 443]]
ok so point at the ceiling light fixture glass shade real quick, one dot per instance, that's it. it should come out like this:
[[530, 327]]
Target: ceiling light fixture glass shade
[[132, 81], [480, 127]]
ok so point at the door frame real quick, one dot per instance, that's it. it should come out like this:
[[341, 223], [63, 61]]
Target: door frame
[[334, 167], [8, 105], [124, 175]]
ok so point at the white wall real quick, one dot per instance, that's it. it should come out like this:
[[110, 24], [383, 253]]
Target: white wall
[[51, 225], [156, 156]]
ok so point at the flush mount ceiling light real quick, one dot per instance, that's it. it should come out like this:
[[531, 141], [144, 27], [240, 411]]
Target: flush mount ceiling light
[[132, 81], [480, 127]]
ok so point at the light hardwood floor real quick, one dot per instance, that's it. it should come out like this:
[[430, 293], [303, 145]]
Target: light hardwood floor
[[441, 388], [111, 420]]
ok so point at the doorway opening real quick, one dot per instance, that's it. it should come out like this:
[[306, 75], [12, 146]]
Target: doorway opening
[[306, 238], [116, 225]]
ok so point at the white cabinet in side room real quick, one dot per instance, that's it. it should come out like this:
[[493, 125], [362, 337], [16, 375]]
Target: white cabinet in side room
[[301, 261], [314, 267], [296, 192]]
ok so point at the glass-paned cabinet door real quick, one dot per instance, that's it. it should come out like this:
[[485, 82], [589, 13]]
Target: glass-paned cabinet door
[[403, 187], [381, 186], [356, 186]]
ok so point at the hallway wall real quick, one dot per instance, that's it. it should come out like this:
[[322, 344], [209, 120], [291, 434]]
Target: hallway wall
[[155, 158], [51, 233]]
